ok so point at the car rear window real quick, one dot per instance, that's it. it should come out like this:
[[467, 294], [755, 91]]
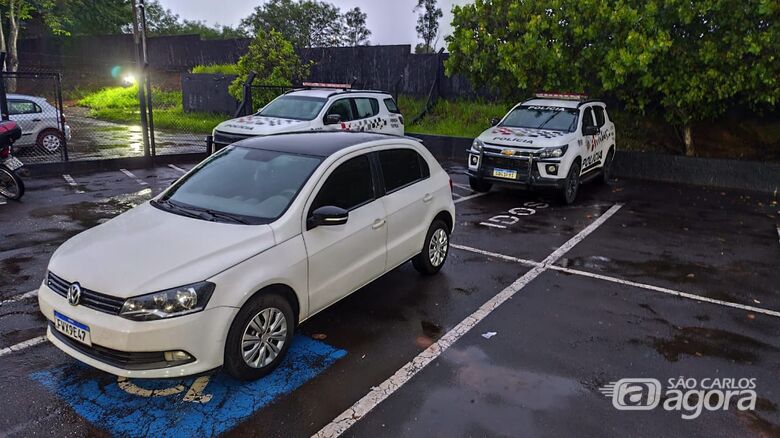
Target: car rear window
[[599, 112], [391, 106], [401, 167]]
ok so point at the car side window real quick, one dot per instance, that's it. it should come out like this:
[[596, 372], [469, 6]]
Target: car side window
[[349, 186], [598, 111], [366, 107], [391, 106], [587, 117], [401, 167], [343, 108], [22, 107]]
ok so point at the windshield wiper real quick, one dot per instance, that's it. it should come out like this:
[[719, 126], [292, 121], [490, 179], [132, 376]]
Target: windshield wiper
[[168, 205], [224, 216], [201, 213]]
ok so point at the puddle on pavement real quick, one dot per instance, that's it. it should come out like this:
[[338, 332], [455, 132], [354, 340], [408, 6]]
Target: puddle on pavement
[[90, 213], [705, 342]]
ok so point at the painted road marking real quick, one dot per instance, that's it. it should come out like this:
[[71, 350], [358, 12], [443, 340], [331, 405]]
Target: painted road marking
[[456, 196], [22, 345], [488, 224], [463, 186], [379, 393], [778, 233], [2, 201], [177, 168], [131, 175], [72, 182], [99, 399], [466, 198], [676, 293], [24, 296]]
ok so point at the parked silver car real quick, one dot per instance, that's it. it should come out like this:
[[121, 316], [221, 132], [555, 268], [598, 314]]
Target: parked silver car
[[40, 123]]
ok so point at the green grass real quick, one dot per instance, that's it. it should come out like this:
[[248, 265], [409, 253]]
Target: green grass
[[458, 118], [120, 104], [225, 69]]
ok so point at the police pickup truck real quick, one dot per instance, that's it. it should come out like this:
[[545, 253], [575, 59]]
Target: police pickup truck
[[317, 107], [553, 141]]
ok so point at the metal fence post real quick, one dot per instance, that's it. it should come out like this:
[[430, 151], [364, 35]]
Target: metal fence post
[[3, 96], [141, 91], [61, 118], [246, 100]]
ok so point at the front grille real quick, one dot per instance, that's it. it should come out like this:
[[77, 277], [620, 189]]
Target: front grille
[[91, 299], [225, 138], [128, 360]]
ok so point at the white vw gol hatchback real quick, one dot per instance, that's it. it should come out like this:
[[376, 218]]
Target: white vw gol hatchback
[[220, 268]]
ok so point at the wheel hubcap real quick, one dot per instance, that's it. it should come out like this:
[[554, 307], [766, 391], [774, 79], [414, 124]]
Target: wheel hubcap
[[51, 142], [264, 337], [438, 246]]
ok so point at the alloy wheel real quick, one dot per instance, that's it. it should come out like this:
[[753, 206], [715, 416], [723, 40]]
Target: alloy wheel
[[51, 142], [264, 337], [437, 247]]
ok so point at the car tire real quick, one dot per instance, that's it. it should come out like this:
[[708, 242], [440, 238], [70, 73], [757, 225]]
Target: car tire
[[571, 185], [606, 170], [11, 186], [434, 253], [258, 314], [50, 141], [479, 185]]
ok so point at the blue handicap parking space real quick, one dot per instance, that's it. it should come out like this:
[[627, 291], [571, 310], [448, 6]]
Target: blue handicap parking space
[[182, 407]]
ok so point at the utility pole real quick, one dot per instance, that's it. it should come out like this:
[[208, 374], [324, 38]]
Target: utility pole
[[147, 74], [141, 78]]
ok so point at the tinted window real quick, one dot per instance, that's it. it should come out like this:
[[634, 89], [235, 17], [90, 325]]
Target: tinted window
[[294, 107], [542, 117], [599, 112], [22, 107], [366, 107], [349, 186], [400, 167], [587, 117], [254, 184], [343, 108], [391, 106]]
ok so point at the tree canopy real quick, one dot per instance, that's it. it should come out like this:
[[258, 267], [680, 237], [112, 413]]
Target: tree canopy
[[428, 23], [356, 31], [688, 61]]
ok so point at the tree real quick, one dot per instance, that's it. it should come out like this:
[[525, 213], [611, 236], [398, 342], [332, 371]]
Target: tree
[[688, 61], [428, 23], [162, 21], [17, 12], [305, 23], [276, 63], [88, 17], [356, 31]]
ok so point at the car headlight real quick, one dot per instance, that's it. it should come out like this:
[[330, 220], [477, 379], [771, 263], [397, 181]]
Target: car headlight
[[168, 303], [477, 145], [553, 152]]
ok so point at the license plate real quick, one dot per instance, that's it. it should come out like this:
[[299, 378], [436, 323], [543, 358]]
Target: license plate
[[72, 328], [503, 173], [13, 163]]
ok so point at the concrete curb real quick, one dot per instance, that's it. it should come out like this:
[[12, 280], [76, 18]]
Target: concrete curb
[[710, 172]]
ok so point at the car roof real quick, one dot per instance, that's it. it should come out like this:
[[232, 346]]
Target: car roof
[[23, 96], [562, 103], [316, 143], [328, 92]]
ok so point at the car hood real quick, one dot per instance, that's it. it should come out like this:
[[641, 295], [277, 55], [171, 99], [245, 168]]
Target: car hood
[[526, 137], [146, 250], [262, 125]]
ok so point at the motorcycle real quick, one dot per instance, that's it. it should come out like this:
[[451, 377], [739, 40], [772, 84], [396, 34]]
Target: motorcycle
[[11, 185]]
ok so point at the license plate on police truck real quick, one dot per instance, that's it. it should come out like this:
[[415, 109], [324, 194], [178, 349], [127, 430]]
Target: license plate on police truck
[[72, 328], [503, 173], [12, 163]]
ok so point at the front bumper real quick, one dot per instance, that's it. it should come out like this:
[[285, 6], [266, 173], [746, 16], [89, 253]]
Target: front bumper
[[119, 344], [526, 166]]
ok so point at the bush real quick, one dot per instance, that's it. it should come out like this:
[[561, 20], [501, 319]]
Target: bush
[[224, 69], [127, 98]]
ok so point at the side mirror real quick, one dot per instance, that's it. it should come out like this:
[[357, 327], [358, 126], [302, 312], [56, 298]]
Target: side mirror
[[332, 119], [326, 216], [590, 130], [494, 121]]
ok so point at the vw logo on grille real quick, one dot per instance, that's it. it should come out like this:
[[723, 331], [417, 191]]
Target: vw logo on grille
[[74, 294]]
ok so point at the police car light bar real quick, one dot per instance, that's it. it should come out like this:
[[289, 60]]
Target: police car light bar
[[326, 85], [561, 96]]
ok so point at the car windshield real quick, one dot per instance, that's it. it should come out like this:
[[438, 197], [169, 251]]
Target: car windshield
[[240, 185], [542, 117], [293, 107]]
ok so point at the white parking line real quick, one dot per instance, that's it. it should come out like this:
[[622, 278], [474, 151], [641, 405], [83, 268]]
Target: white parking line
[[2, 201], [24, 296], [72, 182], [379, 393], [530, 263], [131, 175], [22, 345], [177, 168], [488, 224], [466, 198], [778, 233], [463, 186]]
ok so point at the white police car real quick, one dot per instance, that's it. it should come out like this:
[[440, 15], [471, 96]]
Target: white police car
[[554, 140], [317, 107]]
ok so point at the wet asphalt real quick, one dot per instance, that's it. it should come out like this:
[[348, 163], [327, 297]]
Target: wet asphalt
[[556, 342]]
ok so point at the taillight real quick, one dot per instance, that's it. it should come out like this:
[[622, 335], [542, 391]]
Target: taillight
[[450, 183]]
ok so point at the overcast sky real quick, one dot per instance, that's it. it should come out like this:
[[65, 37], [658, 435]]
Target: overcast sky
[[390, 21]]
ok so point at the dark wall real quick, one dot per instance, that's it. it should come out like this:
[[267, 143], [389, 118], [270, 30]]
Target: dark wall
[[207, 93]]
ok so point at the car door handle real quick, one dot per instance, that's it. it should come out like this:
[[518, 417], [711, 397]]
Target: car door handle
[[36, 120], [428, 197], [379, 223]]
